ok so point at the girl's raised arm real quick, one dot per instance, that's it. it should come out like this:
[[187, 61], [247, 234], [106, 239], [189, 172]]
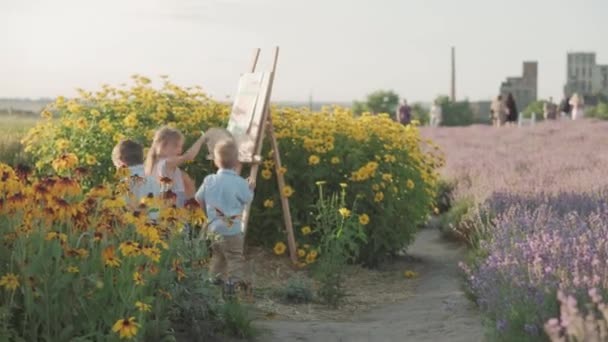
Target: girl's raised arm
[[174, 162]]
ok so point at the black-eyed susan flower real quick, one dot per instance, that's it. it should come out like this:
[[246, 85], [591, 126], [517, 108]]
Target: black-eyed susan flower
[[379, 196], [344, 212], [268, 203], [279, 248], [153, 253], [129, 248], [314, 160], [301, 253], [364, 219], [143, 307], [138, 278], [306, 230], [335, 160], [9, 281], [266, 174], [126, 328], [288, 191], [109, 258], [410, 184], [72, 269]]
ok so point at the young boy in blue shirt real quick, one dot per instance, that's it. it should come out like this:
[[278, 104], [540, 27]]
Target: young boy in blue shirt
[[224, 196]]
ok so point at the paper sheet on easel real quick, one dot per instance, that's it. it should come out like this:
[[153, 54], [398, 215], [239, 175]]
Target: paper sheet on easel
[[248, 112]]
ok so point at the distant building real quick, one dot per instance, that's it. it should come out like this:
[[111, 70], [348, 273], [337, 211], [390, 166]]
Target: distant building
[[585, 76], [524, 88]]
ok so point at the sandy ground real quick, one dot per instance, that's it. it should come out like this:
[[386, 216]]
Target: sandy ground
[[437, 310]]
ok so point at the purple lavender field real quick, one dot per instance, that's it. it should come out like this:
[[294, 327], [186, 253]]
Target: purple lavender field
[[540, 268]]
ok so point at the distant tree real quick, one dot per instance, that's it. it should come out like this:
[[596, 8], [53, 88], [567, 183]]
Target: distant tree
[[360, 107], [457, 113], [378, 102], [421, 114], [534, 107], [599, 112]]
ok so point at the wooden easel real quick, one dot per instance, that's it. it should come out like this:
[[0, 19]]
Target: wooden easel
[[267, 125]]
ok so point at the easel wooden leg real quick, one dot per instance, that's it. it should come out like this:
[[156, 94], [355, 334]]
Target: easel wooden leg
[[291, 240]]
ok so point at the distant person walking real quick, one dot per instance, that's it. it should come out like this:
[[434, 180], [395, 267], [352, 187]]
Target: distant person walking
[[578, 106], [436, 114], [550, 110], [404, 113], [512, 114], [565, 107], [499, 112]]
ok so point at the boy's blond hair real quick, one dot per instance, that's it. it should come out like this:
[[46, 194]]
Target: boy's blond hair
[[128, 152], [226, 154]]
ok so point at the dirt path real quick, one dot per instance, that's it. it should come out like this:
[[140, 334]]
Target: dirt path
[[438, 310]]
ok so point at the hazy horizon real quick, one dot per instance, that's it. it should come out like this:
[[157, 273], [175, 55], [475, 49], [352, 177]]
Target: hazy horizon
[[339, 50]]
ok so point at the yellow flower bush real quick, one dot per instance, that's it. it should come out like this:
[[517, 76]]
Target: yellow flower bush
[[388, 166], [89, 260]]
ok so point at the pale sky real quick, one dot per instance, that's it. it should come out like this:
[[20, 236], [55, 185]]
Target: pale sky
[[338, 49]]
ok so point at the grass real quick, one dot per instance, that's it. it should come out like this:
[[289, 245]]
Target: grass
[[12, 130]]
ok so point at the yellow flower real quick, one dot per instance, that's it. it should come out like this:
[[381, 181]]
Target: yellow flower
[[311, 257], [9, 281], [335, 160], [306, 230], [46, 114], [301, 253], [90, 159], [118, 137], [364, 219], [143, 307], [313, 160], [266, 174], [379, 197], [344, 212], [410, 274], [56, 236], [131, 120], [129, 248], [81, 123], [105, 126], [108, 257], [282, 170], [279, 248], [73, 269], [387, 177], [153, 253], [126, 328], [95, 113], [268, 203], [138, 279], [410, 184], [375, 187], [288, 191], [62, 144]]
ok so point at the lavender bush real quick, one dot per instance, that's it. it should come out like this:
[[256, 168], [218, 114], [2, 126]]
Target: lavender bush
[[542, 191]]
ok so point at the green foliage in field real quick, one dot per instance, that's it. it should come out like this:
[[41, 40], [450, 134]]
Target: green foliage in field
[[12, 130], [457, 113], [378, 102]]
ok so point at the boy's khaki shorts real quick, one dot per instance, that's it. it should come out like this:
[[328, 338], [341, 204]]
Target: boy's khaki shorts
[[227, 261]]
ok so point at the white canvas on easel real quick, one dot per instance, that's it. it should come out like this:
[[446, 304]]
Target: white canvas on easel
[[247, 113]]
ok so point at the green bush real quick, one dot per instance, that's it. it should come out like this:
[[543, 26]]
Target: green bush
[[444, 196], [384, 163], [297, 291], [342, 236], [599, 112]]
